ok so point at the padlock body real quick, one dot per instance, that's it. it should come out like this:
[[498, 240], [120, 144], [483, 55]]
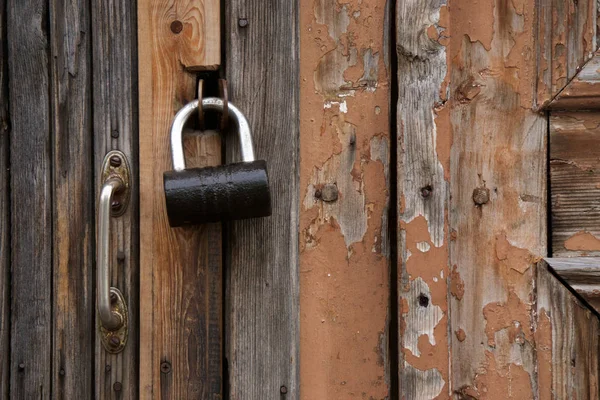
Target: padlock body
[[223, 193]]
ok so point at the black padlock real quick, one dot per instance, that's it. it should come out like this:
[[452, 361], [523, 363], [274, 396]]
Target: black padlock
[[222, 193]]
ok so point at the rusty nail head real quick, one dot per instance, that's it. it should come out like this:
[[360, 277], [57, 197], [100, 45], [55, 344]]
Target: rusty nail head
[[62, 371], [329, 192], [21, 366], [481, 195], [107, 368], [165, 367], [114, 134], [176, 27], [283, 390], [243, 22], [318, 193], [117, 386], [426, 191], [115, 161]]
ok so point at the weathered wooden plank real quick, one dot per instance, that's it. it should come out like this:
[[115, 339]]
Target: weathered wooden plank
[[583, 92], [115, 122], [423, 170], [575, 183], [262, 343], [72, 201], [566, 341], [581, 274], [180, 310], [497, 198], [4, 212], [31, 209], [566, 40]]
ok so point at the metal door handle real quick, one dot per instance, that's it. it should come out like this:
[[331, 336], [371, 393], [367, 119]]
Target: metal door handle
[[114, 198]]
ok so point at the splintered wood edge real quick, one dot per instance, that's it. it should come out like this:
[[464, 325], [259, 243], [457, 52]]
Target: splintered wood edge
[[581, 275]]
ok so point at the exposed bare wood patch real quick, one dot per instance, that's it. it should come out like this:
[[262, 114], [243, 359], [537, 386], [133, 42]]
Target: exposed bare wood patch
[[424, 141], [343, 244]]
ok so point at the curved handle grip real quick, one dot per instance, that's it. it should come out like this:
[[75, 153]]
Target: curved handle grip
[[111, 319]]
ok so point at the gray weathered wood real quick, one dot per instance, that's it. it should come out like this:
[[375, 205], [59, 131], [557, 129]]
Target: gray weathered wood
[[262, 289], [72, 201], [4, 213], [115, 125], [575, 183], [566, 339], [423, 195], [31, 211], [581, 274]]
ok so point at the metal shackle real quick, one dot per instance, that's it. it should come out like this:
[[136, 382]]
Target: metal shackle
[[216, 104]]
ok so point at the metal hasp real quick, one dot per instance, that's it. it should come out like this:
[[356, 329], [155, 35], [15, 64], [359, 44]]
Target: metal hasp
[[113, 202], [211, 194]]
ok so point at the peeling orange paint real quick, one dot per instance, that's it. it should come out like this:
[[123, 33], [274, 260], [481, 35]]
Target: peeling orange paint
[[457, 285], [344, 142], [583, 241]]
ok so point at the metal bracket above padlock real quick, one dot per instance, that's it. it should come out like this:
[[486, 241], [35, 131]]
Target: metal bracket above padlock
[[222, 193]]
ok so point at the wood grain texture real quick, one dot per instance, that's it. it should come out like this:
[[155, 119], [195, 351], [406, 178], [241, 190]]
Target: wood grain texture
[[115, 125], [180, 309], [575, 183], [262, 254], [565, 41], [31, 210], [423, 192], [4, 212], [72, 232], [499, 148], [583, 91], [582, 275], [567, 341]]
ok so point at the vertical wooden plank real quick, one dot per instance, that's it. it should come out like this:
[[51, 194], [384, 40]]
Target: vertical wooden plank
[[423, 149], [262, 265], [498, 198], [31, 210], [115, 122], [180, 310], [567, 342], [72, 205], [4, 212], [344, 193]]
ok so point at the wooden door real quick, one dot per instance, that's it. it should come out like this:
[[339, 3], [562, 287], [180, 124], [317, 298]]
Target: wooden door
[[425, 159]]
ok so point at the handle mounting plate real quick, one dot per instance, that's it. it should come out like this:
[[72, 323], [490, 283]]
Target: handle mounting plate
[[114, 341], [115, 165]]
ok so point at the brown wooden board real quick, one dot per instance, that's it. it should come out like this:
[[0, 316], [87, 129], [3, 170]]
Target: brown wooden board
[[497, 198], [4, 212], [31, 213], [180, 298], [115, 126], [565, 41], [575, 183], [72, 185], [566, 339], [262, 255], [423, 150]]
